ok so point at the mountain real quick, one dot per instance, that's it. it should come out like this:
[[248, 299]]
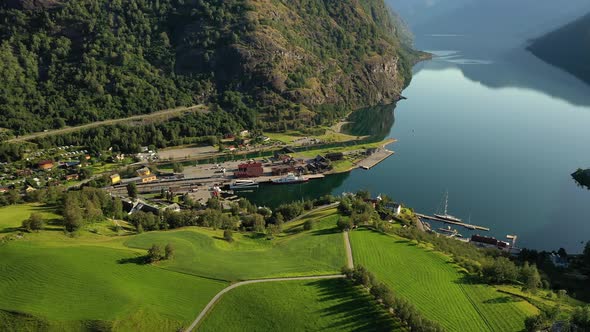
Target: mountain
[[567, 47], [494, 26], [270, 63]]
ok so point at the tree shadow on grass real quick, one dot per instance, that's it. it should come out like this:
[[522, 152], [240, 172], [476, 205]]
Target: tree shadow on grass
[[138, 260], [325, 231], [356, 310]]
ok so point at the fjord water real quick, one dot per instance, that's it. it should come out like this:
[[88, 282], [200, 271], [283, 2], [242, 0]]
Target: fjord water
[[501, 134]]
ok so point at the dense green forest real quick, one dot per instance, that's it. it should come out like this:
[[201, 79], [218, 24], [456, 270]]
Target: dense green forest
[[567, 48], [268, 63]]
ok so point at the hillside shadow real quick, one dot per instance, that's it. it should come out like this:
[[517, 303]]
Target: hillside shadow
[[355, 310]]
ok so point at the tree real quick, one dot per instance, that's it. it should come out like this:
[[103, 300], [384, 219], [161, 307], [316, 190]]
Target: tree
[[500, 270], [308, 225], [177, 168], [587, 255], [155, 253], [214, 203], [530, 277], [169, 251], [34, 223], [344, 224], [272, 230], [132, 190], [581, 318], [72, 215], [279, 221], [228, 235], [259, 223]]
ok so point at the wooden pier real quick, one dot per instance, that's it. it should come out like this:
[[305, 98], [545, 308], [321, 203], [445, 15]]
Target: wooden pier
[[456, 223]]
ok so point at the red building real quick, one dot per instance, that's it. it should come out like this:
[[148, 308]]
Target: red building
[[249, 170]]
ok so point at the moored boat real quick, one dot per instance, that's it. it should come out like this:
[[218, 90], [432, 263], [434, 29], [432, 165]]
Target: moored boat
[[243, 184], [446, 215], [290, 179]]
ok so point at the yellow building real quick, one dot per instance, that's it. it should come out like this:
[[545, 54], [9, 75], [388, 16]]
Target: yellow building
[[115, 178], [143, 172], [148, 178]]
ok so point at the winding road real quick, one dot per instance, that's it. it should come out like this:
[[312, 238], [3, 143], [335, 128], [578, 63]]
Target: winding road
[[216, 298]]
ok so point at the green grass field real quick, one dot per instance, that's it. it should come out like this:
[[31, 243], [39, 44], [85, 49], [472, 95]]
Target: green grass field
[[203, 252], [11, 217], [66, 285], [321, 305], [433, 284]]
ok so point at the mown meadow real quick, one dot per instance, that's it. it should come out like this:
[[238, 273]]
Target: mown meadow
[[435, 285], [321, 305]]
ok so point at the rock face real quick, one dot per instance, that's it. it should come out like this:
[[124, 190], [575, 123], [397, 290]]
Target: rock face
[[338, 53]]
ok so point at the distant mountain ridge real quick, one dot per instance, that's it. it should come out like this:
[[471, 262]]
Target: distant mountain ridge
[[567, 48]]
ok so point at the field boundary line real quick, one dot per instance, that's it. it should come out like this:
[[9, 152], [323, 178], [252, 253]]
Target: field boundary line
[[217, 296]]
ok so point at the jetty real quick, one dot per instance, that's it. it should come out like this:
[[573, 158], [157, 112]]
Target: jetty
[[376, 156], [466, 225]]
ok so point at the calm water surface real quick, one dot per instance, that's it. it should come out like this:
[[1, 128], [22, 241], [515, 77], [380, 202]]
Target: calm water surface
[[502, 135]]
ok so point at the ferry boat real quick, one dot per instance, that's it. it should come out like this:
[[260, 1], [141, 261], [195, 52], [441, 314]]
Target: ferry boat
[[290, 179], [446, 215], [243, 184]]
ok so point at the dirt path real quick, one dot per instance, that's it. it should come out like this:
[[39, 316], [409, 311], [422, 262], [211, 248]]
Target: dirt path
[[170, 112], [242, 283], [318, 209], [349, 260]]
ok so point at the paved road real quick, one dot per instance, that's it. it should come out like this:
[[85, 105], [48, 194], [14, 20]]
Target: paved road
[[227, 289], [169, 112], [349, 261]]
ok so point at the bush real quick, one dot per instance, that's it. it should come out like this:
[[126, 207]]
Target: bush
[[308, 225], [228, 235], [34, 223], [155, 253]]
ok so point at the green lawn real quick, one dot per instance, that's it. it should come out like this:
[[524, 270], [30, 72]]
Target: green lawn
[[203, 252], [433, 284], [65, 286], [321, 305], [12, 216]]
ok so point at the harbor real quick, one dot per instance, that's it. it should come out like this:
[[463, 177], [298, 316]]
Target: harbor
[[456, 223]]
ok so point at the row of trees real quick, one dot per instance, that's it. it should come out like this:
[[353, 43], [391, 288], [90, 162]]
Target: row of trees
[[402, 309]]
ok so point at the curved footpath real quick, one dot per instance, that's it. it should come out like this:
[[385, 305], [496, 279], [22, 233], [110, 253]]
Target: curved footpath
[[227, 289], [216, 298]]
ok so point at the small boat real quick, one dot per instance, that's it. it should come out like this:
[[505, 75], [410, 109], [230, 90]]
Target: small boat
[[290, 179], [243, 184], [446, 215]]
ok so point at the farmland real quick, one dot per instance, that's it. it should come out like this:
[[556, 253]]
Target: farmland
[[433, 284], [203, 252], [323, 305]]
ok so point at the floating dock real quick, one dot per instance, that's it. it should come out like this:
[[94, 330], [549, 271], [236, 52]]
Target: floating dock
[[468, 226]]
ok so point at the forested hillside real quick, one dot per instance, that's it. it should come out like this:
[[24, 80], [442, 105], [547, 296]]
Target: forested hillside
[[269, 63], [567, 48]]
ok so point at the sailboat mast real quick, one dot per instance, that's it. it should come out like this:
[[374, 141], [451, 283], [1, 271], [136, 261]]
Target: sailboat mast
[[446, 202]]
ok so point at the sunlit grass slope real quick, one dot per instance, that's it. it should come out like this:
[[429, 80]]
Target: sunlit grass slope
[[435, 286]]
